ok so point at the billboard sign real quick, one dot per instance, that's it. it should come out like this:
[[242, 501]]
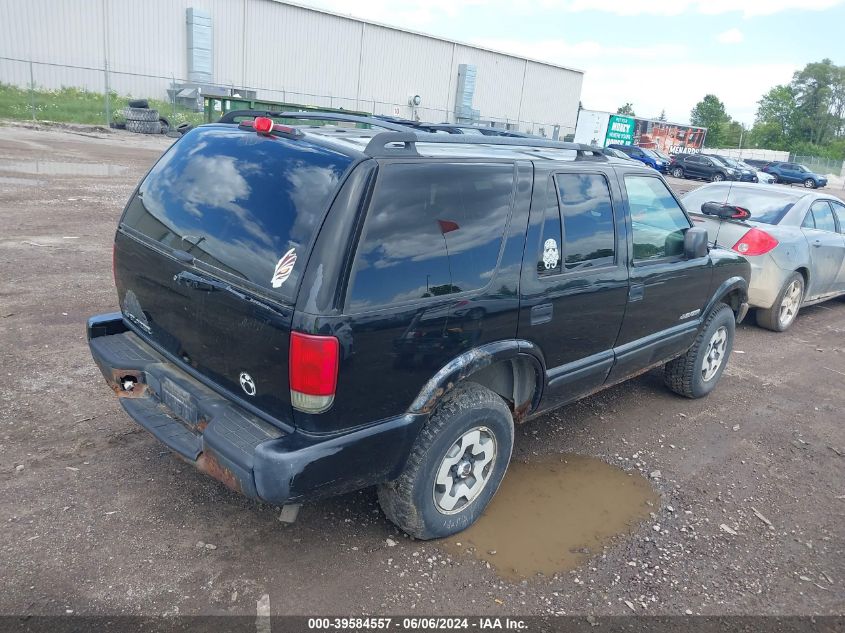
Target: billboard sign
[[670, 138], [620, 130]]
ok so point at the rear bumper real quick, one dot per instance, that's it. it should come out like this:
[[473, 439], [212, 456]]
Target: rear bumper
[[767, 279], [230, 444]]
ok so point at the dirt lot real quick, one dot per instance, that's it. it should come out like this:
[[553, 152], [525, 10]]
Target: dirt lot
[[97, 518]]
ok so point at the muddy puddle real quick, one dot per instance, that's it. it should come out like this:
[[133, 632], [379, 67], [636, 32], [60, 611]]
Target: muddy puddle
[[553, 513], [57, 168]]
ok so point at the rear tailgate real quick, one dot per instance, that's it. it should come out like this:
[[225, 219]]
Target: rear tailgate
[[210, 251]]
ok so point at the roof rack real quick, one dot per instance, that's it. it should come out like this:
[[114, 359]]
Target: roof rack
[[401, 140], [315, 115], [386, 144]]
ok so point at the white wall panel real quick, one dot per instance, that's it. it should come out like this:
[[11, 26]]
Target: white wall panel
[[396, 65], [286, 52]]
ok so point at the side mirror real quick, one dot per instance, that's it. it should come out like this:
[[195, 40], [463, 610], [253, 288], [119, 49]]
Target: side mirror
[[695, 243], [725, 211]]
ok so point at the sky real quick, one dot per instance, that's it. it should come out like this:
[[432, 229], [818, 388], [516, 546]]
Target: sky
[[656, 55]]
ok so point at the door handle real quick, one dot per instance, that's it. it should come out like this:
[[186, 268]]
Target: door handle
[[817, 243], [636, 292], [542, 313]]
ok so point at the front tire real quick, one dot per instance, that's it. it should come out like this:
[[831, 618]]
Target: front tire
[[784, 311], [678, 172], [810, 183], [455, 466], [717, 177], [696, 373]]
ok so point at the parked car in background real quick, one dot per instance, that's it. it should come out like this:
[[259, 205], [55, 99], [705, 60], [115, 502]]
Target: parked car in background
[[756, 163], [615, 153], [701, 166], [763, 177], [645, 156], [793, 239], [388, 322], [793, 173], [662, 156], [746, 172]]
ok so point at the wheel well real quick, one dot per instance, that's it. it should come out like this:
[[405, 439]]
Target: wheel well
[[515, 380], [805, 273], [733, 300]]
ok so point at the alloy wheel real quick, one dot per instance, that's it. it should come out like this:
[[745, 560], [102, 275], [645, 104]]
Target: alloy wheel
[[714, 355], [465, 470], [790, 304]]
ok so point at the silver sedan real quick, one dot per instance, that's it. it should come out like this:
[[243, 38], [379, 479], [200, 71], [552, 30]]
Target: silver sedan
[[793, 239]]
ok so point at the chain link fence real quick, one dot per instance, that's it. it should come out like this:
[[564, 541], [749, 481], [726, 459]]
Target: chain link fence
[[41, 91]]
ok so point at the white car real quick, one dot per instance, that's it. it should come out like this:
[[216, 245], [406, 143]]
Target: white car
[[766, 179]]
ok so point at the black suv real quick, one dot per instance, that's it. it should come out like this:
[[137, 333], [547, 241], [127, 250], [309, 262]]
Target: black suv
[[700, 166], [307, 311]]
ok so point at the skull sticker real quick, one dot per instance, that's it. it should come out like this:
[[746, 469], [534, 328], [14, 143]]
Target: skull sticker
[[551, 256]]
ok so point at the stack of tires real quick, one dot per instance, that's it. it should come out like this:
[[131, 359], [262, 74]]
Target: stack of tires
[[141, 119]]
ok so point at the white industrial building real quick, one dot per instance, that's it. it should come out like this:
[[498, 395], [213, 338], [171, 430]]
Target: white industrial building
[[281, 52]]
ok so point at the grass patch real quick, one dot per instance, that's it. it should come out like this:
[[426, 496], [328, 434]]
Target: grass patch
[[72, 105]]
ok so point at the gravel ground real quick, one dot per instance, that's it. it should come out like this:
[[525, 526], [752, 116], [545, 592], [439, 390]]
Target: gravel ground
[[98, 518]]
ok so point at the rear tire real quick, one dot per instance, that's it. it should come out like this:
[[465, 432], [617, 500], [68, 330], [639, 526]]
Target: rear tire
[[678, 172], [467, 442], [784, 311], [696, 373]]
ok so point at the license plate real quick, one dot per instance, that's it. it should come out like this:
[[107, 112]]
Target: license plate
[[178, 401]]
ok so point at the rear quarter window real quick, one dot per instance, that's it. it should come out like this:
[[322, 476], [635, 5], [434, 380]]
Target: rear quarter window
[[239, 202], [432, 229]]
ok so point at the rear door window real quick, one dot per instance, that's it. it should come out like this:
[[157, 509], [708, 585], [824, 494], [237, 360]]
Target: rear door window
[[587, 213], [243, 205], [432, 229]]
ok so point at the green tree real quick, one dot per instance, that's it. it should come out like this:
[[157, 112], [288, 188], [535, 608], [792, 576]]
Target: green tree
[[778, 109], [814, 88], [710, 113], [662, 116], [627, 110]]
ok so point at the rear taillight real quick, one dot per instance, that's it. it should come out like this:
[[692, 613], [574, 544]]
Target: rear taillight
[[755, 242], [313, 371]]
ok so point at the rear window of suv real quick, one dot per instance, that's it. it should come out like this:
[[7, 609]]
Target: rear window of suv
[[432, 229], [240, 203]]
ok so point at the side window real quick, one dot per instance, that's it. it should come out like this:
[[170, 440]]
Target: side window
[[823, 216], [839, 210], [432, 229], [588, 233], [657, 221], [809, 222]]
